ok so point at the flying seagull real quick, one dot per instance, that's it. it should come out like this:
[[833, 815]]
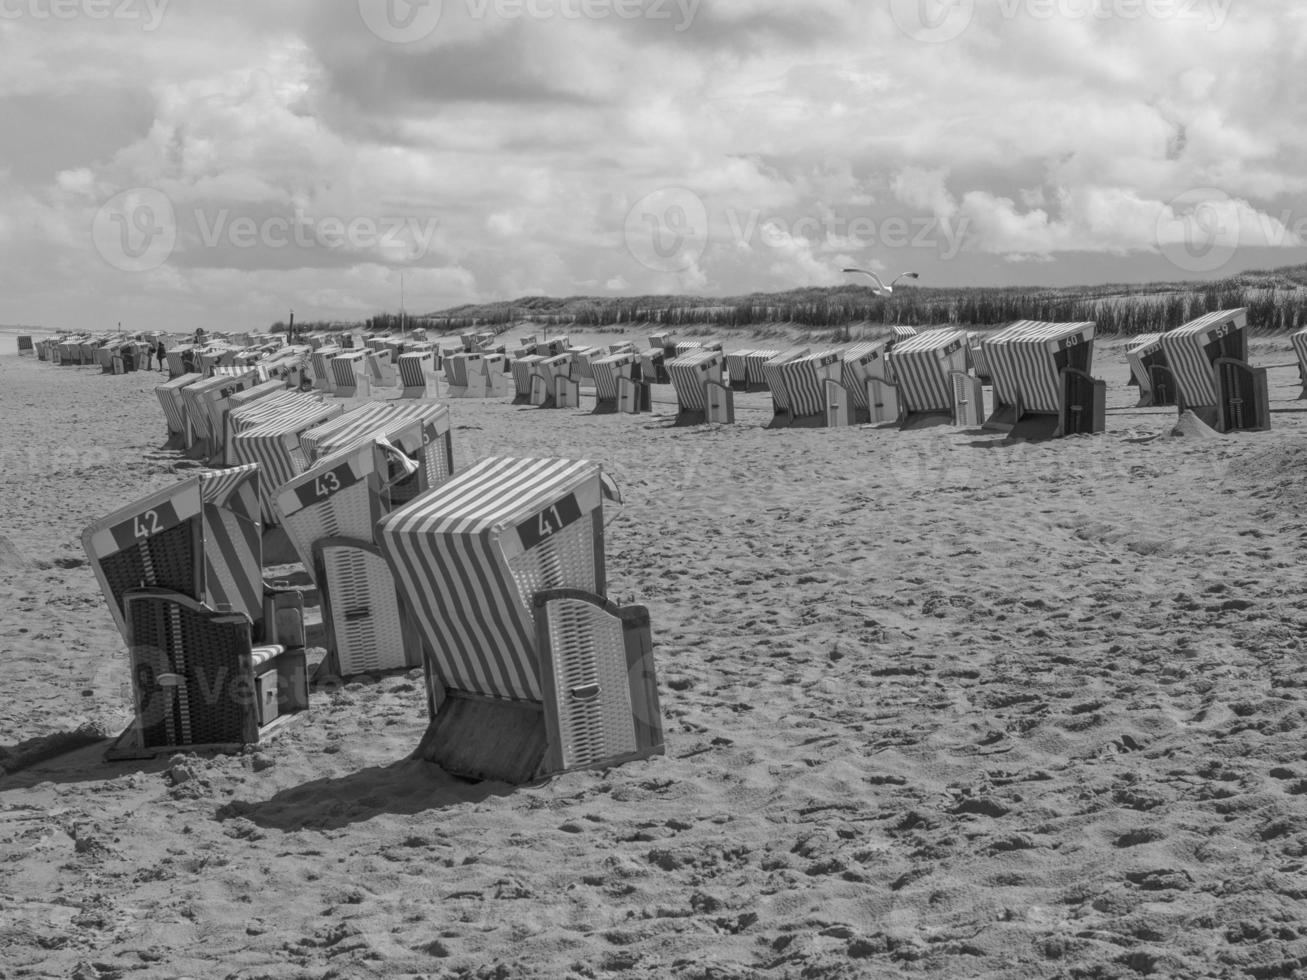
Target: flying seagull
[[881, 288]]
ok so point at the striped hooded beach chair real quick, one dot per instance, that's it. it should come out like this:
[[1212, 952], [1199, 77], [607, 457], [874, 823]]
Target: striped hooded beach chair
[[979, 362], [275, 445], [698, 378], [1299, 343], [205, 401], [776, 382], [608, 372], [349, 373], [524, 369], [417, 374], [320, 357], [167, 564], [421, 430], [1040, 373], [846, 398], [530, 669], [922, 368], [170, 400], [1151, 370], [237, 401], [553, 347], [1213, 379], [552, 384], [799, 385], [329, 513], [242, 418]]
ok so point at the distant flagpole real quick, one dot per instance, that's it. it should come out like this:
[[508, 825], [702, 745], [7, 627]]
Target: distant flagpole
[[403, 330]]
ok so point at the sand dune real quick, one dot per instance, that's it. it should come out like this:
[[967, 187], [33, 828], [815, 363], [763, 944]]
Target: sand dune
[[937, 704]]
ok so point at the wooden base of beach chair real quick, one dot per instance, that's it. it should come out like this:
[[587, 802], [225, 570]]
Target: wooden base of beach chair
[[1083, 410], [1242, 396], [479, 737], [633, 397], [720, 401]]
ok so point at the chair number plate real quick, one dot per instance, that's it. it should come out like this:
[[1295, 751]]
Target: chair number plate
[[145, 525], [326, 485], [549, 521]]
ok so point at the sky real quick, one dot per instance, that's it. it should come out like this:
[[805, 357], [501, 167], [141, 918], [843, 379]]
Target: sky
[[172, 164]]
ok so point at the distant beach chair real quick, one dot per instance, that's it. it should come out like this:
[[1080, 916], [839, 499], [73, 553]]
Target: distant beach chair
[[320, 362], [799, 384], [417, 374], [349, 372], [922, 366], [698, 378], [524, 369], [771, 371], [174, 409], [1299, 343], [846, 399], [979, 361], [607, 372], [1028, 360], [552, 385], [205, 402], [1151, 371], [1209, 361], [501, 569]]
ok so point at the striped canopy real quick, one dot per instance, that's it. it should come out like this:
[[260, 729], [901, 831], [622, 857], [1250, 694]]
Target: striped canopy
[[1299, 343], [170, 399], [1192, 350], [202, 399], [803, 381], [524, 369], [413, 368], [469, 555], [689, 372], [922, 365], [1144, 349], [275, 445], [347, 367], [775, 381], [339, 432], [1026, 358]]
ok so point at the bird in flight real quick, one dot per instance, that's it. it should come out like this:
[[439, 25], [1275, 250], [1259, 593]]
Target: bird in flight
[[881, 289]]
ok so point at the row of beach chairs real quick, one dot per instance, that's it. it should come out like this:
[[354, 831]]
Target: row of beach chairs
[[491, 580]]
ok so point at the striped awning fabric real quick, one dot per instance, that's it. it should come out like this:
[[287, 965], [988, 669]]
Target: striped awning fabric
[[469, 555], [804, 380], [1023, 361], [337, 433], [198, 399], [553, 347], [737, 367], [1299, 343], [860, 363], [903, 333], [459, 366], [321, 361], [771, 370], [689, 372], [348, 430], [233, 536], [275, 446], [922, 365], [606, 370], [1142, 347], [1191, 350], [754, 361]]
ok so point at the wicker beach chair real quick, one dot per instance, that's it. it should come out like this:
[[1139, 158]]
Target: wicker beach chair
[[922, 366], [1299, 343], [701, 393], [1208, 357], [799, 385], [476, 562]]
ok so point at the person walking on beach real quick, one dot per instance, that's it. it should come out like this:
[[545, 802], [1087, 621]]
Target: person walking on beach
[[160, 353]]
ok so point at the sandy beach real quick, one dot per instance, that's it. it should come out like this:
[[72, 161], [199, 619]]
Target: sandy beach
[[936, 704]]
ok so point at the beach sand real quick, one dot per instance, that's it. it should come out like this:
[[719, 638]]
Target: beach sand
[[935, 705]]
